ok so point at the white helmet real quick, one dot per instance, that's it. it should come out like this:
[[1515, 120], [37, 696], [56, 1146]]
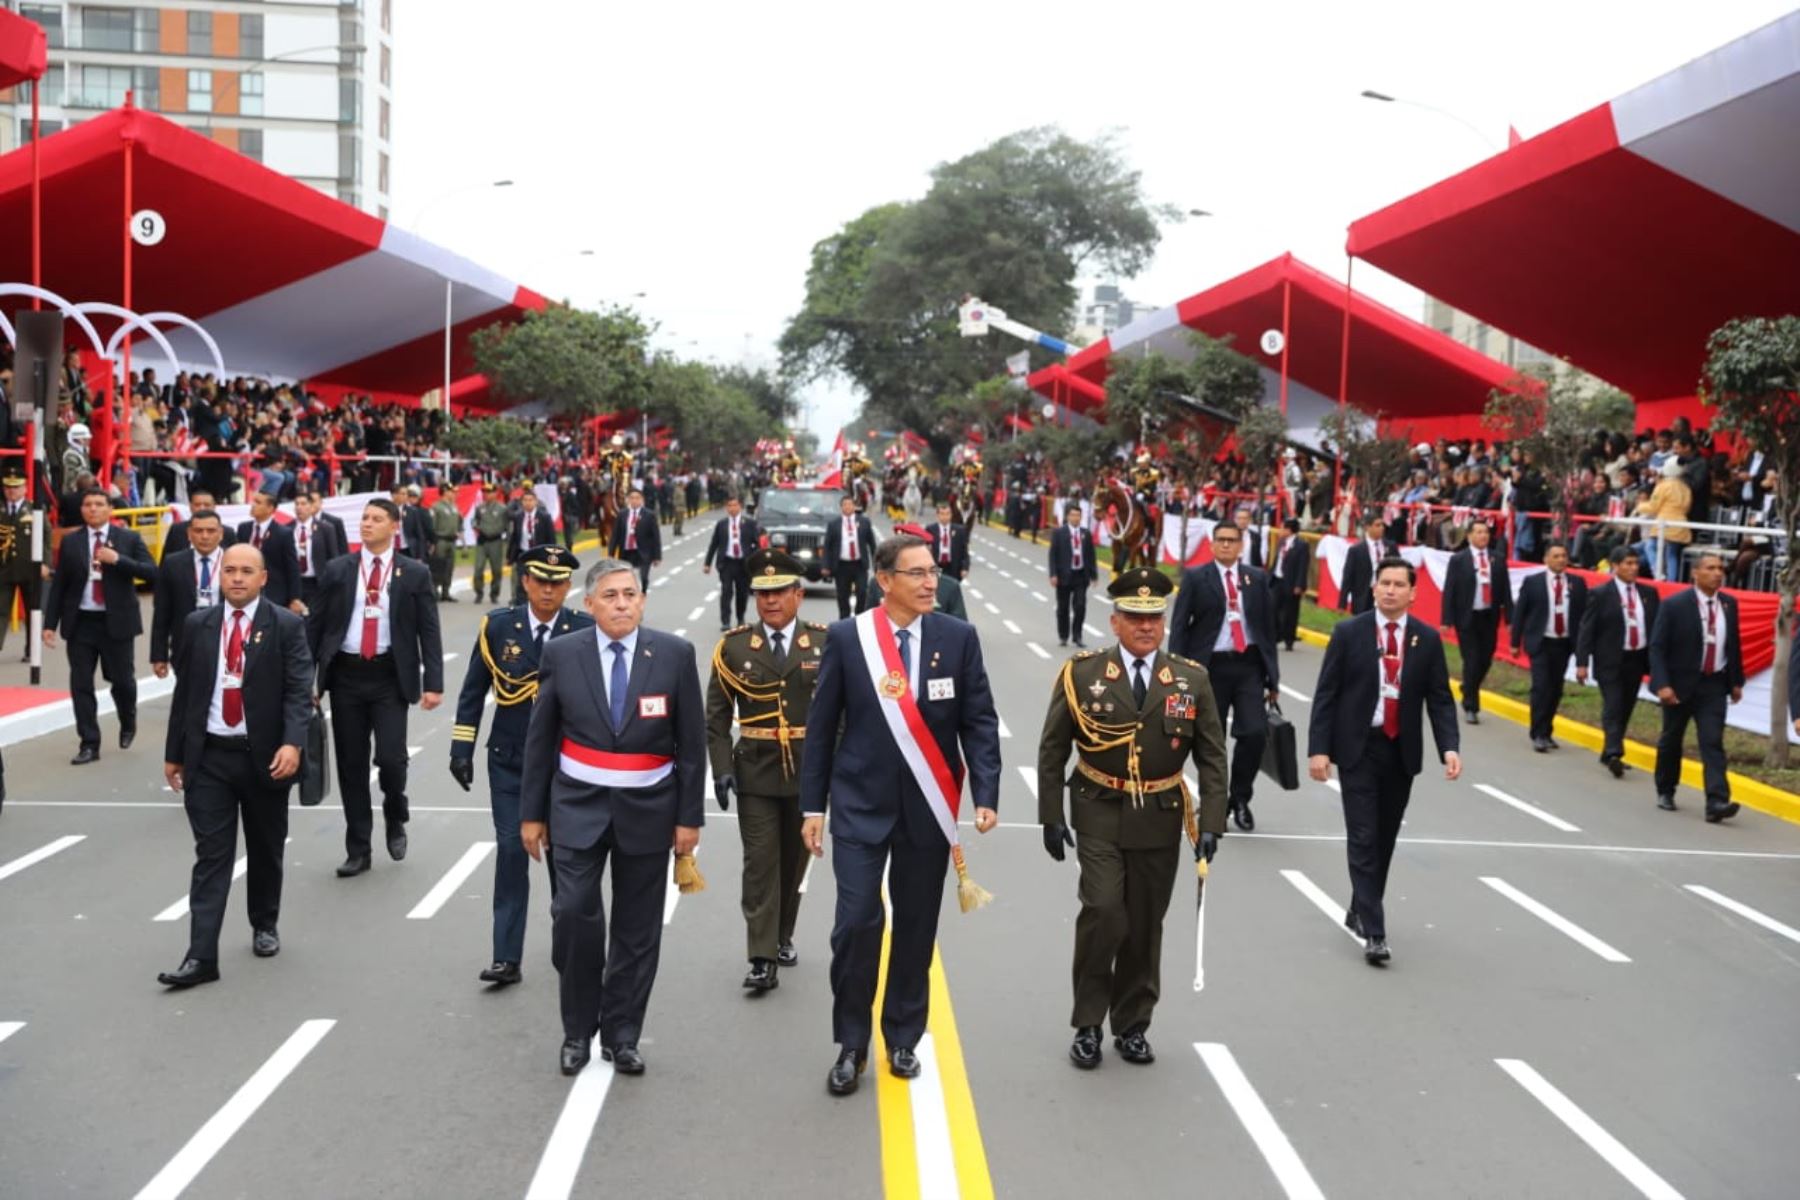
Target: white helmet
[[79, 432]]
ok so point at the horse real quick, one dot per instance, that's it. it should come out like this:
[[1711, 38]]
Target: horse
[[964, 500], [1128, 525]]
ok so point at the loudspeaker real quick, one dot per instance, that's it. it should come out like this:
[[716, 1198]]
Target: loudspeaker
[[38, 340]]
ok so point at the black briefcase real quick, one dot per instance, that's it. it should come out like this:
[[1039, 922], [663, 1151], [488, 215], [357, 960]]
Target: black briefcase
[[1279, 760], [315, 762]]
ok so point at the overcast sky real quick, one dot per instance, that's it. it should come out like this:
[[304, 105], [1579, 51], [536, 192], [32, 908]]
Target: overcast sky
[[700, 149]]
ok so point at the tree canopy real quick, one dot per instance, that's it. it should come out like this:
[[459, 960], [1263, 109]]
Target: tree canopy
[[1553, 416], [580, 363]]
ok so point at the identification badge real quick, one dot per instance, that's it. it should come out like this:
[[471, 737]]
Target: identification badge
[[940, 689], [204, 598], [653, 706], [1390, 691], [371, 612], [230, 682], [94, 571], [1233, 614]]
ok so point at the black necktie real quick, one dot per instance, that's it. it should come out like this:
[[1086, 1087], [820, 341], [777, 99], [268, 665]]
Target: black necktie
[[780, 651], [543, 631], [1140, 686]]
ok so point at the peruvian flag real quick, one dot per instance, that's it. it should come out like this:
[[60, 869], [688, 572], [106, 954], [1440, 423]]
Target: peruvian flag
[[835, 476]]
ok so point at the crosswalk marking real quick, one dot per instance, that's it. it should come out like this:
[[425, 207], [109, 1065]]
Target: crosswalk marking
[[1745, 911], [1555, 822], [1554, 919], [446, 887], [8, 1028], [40, 854], [1004, 731], [1325, 904], [1296, 1182], [1029, 775], [554, 1178], [1608, 1147]]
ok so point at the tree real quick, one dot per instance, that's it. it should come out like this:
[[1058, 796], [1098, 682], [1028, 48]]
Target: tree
[[1752, 379], [580, 363], [984, 408], [1375, 462], [713, 419], [1072, 453], [772, 394], [1554, 416], [497, 442]]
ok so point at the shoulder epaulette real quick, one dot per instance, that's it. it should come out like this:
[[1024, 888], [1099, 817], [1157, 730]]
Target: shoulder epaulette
[[498, 613], [737, 630], [1185, 662], [1082, 655], [817, 626]]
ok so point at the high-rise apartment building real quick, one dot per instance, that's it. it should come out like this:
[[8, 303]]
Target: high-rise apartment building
[[302, 86]]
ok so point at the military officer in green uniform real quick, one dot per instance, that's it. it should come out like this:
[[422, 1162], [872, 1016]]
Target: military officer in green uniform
[[1134, 716], [446, 531], [505, 659], [492, 520], [20, 577], [763, 676]]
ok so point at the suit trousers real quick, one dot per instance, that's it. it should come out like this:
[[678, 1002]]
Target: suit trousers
[[734, 590], [1618, 700], [230, 784], [26, 591], [366, 703], [1476, 638], [1548, 666], [1376, 789], [641, 565], [92, 646], [850, 578], [916, 888], [512, 866], [1706, 709], [309, 590], [774, 864], [489, 557], [1071, 609], [605, 980], [1118, 934], [1287, 613], [1237, 684], [442, 562]]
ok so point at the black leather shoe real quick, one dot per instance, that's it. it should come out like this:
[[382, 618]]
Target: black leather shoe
[[502, 973], [265, 943], [1240, 816], [1474, 717], [625, 1059], [575, 1054], [903, 1062], [1080, 645], [846, 1072], [1352, 922], [1134, 1048], [1616, 765], [1541, 745], [1376, 951], [1084, 1051], [191, 972], [1553, 743], [354, 865], [763, 976], [396, 842], [126, 736], [85, 755], [1666, 802], [787, 956], [1063, 642], [1722, 812]]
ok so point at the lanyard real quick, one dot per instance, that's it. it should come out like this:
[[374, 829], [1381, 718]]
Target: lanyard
[[373, 596]]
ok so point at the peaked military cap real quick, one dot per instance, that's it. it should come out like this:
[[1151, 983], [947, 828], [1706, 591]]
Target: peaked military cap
[[13, 479], [548, 562], [771, 570], [1141, 590]]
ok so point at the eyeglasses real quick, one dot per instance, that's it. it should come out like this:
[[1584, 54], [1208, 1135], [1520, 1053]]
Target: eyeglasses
[[920, 574]]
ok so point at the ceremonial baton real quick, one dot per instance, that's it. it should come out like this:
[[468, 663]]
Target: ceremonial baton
[[1200, 868]]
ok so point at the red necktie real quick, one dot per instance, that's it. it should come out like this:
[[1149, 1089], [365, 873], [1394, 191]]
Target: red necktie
[[232, 703], [631, 531], [99, 588], [850, 537], [371, 598], [1481, 591], [1557, 603], [1390, 670], [1075, 541], [1631, 619], [305, 547], [256, 536], [1231, 602], [1709, 666], [943, 543], [733, 551]]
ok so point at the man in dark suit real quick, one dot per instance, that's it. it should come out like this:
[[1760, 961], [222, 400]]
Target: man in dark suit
[[186, 580], [1477, 597], [1254, 554], [1383, 676], [317, 499], [1615, 637], [637, 539], [1287, 579], [1073, 568], [1696, 662], [93, 602], [276, 542], [373, 633], [1545, 622], [175, 538], [1225, 621], [930, 678], [734, 540], [615, 764], [318, 539], [412, 537], [531, 528], [1359, 564], [949, 544], [849, 548], [243, 694]]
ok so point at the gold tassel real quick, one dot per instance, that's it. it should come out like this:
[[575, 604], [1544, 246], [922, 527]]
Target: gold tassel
[[969, 894], [688, 879], [1202, 868]]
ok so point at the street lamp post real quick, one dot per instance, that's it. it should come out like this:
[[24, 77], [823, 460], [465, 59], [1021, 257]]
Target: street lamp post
[[1384, 98]]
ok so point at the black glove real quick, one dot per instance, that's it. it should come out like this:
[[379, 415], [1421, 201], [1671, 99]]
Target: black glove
[[463, 771], [1055, 838], [1209, 846], [723, 786]]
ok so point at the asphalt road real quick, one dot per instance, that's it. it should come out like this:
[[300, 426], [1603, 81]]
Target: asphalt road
[[1588, 998]]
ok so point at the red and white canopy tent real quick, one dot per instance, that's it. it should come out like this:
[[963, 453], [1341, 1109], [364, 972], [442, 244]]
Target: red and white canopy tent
[[1623, 237], [1425, 384]]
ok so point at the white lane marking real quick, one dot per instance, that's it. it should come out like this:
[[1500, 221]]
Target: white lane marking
[[672, 894], [1029, 775], [1554, 919], [671, 573], [1038, 650], [1012, 626], [1608, 1147], [487, 701], [806, 875], [1532, 810], [1321, 901], [452, 655], [441, 891], [192, 1158], [1092, 632], [682, 632], [1005, 574], [699, 609], [1334, 785], [554, 1178], [1004, 731], [41, 853], [931, 1126], [1104, 600], [989, 604], [1020, 583], [1302, 697], [1040, 597], [711, 596], [976, 592], [179, 909], [1745, 911], [8, 1028], [411, 753], [1296, 1182]]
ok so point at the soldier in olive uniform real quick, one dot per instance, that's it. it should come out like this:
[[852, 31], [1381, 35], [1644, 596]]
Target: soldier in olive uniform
[[764, 674], [1134, 716], [507, 650], [446, 531], [492, 522], [19, 575]]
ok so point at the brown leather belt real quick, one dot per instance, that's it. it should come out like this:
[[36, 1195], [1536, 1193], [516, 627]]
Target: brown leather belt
[[759, 733], [1151, 786]]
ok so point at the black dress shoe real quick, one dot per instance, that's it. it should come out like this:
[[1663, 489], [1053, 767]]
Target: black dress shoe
[[502, 973], [354, 865], [85, 755], [265, 943], [126, 736], [1084, 1051], [1062, 641], [1474, 717], [903, 1062], [1134, 1048], [191, 971], [787, 956], [396, 842], [1666, 802], [625, 1059], [1553, 743], [1240, 816], [763, 976], [575, 1054], [1541, 745], [1616, 765], [846, 1071], [1716, 814], [1352, 922], [1376, 951], [1080, 645]]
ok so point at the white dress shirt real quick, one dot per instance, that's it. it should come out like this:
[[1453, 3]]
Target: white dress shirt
[[850, 550], [1631, 610], [384, 635], [1381, 624], [629, 641], [206, 597], [1719, 631], [1550, 578], [1281, 552], [1223, 644], [88, 603], [215, 712], [787, 635], [1130, 659], [1478, 559], [304, 533]]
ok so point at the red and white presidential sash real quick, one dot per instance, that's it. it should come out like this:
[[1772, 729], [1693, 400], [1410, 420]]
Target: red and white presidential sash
[[603, 768], [924, 758]]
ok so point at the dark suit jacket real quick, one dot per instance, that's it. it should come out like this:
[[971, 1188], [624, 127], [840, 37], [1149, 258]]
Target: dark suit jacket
[[1254, 553], [959, 549], [416, 641], [278, 671], [1350, 681], [871, 792], [176, 595], [543, 532], [1532, 610], [834, 543], [280, 558], [415, 529], [649, 535], [1677, 645], [749, 537], [343, 533], [1357, 593], [1460, 581], [572, 704], [175, 539], [63, 604], [1062, 552], [1296, 564], [1200, 614], [325, 542], [1602, 634]]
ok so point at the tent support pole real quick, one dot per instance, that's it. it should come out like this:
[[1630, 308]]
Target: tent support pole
[[122, 434], [1337, 484], [1287, 293], [448, 287]]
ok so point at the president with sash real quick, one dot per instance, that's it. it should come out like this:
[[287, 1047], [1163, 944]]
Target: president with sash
[[901, 713]]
